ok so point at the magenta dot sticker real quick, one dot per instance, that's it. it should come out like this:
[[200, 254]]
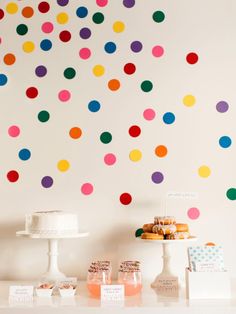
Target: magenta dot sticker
[[47, 182], [193, 213], [14, 131], [110, 159], [87, 188], [149, 114], [47, 27], [157, 51], [102, 3], [85, 53], [64, 95]]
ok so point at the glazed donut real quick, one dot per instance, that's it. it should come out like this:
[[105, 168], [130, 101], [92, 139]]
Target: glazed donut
[[178, 235], [164, 229], [180, 227], [148, 227], [151, 236], [164, 220]]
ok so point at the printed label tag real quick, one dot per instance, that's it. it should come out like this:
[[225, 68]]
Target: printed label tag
[[168, 286]]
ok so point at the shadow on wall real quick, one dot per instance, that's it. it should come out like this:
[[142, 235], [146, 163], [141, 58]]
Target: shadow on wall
[[8, 231]]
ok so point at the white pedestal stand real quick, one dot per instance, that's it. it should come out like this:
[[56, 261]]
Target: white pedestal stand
[[53, 273]]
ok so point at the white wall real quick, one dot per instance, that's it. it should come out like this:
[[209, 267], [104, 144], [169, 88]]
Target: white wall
[[204, 27]]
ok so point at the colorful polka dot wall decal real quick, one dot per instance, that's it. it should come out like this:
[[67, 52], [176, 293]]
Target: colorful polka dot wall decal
[[204, 171], [158, 16], [28, 46], [43, 7], [231, 194], [82, 12], [69, 73], [27, 12], [47, 182], [47, 27], [149, 114], [192, 58], [129, 68], [63, 165], [110, 159], [1, 14], [40, 71], [101, 3], [22, 29], [157, 51], [12, 8], [98, 70], [9, 59], [3, 79], [118, 27], [135, 155], [62, 3], [105, 137], [85, 33], [98, 18], [87, 188], [225, 141], [113, 84], [134, 131], [193, 213], [75, 132], [128, 3], [157, 177], [222, 106], [13, 176], [168, 118], [64, 95], [65, 36], [24, 154], [110, 47], [62, 18], [136, 46], [125, 198], [94, 106], [43, 116], [189, 100], [161, 151], [85, 53], [14, 131], [32, 92], [46, 44], [146, 86]]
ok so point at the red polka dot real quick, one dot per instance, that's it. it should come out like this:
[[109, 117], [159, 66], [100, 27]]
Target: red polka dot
[[192, 58], [129, 68], [12, 176], [32, 92], [125, 198], [65, 36], [43, 7], [1, 14], [134, 131]]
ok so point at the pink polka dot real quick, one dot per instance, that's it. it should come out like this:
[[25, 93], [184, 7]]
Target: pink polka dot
[[14, 131], [149, 114], [47, 27], [157, 51], [64, 95], [87, 188], [0, 40], [193, 213], [84, 53], [109, 159], [101, 3]]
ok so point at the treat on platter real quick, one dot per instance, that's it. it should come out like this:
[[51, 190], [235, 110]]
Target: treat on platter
[[54, 222], [67, 289], [163, 228], [44, 289]]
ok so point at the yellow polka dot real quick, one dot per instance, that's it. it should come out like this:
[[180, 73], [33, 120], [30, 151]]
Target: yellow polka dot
[[135, 155], [12, 8], [63, 165], [62, 18], [204, 171], [98, 70], [189, 100], [118, 27], [28, 46]]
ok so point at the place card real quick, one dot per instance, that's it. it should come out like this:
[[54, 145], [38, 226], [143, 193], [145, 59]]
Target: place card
[[21, 294], [167, 286], [112, 295]]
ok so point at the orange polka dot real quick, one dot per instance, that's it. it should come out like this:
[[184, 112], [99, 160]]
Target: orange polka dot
[[114, 84], [9, 59], [161, 151], [75, 132], [27, 12]]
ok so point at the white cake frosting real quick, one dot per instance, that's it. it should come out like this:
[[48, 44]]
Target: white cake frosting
[[54, 222]]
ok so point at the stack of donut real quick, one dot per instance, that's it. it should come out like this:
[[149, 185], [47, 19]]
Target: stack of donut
[[165, 227]]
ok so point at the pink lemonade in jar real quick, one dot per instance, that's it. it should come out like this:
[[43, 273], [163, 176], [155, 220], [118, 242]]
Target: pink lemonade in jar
[[132, 289], [94, 289]]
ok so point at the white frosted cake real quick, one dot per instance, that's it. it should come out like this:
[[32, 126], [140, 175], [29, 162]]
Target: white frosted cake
[[54, 222]]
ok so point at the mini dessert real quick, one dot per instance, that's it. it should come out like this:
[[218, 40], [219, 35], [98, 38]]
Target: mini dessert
[[152, 236], [45, 286], [180, 227], [178, 236], [44, 289], [67, 289], [148, 227], [164, 229], [164, 220]]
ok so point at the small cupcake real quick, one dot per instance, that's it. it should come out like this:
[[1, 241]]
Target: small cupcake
[[44, 289], [67, 289]]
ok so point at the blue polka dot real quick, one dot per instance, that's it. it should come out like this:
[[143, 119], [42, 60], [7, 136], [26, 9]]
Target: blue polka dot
[[46, 44], [24, 154], [94, 106], [225, 141], [82, 12], [3, 79], [110, 47], [168, 117]]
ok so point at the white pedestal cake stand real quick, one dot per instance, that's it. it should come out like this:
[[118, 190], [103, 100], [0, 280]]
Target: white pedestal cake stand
[[53, 273], [166, 266]]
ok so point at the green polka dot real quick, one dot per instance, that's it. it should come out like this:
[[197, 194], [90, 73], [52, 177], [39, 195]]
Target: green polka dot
[[146, 86], [138, 232], [231, 194], [106, 137], [158, 16], [98, 18], [43, 116], [69, 73], [22, 29]]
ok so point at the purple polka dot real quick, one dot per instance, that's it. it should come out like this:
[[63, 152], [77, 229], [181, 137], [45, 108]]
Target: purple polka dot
[[136, 46], [85, 33], [47, 182], [41, 71], [222, 106], [128, 3], [157, 177], [62, 3]]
